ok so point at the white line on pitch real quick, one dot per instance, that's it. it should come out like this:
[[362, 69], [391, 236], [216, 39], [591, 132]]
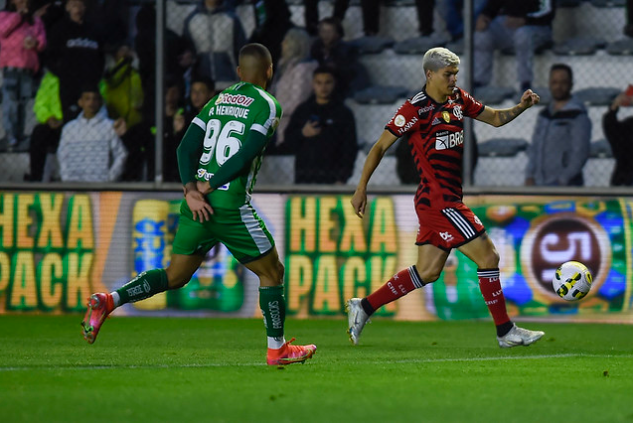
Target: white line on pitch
[[212, 365]]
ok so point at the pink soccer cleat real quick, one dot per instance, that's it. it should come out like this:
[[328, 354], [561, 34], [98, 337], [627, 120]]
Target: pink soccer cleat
[[289, 354], [99, 307]]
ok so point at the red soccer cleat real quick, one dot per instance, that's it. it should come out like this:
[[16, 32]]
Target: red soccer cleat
[[99, 307], [289, 354]]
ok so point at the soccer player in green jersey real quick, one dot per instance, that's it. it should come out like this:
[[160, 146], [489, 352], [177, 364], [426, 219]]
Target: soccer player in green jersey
[[218, 160]]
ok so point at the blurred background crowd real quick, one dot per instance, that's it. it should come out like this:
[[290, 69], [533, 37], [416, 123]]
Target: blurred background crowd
[[79, 85]]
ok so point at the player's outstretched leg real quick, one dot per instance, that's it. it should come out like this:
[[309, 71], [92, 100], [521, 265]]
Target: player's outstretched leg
[[519, 336], [356, 319], [100, 305]]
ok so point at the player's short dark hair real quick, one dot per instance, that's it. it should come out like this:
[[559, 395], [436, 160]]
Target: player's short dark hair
[[325, 69], [336, 23], [209, 82], [563, 66], [256, 50], [90, 88]]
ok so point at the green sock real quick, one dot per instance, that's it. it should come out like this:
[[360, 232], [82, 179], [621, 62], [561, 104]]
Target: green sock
[[145, 285], [273, 305]]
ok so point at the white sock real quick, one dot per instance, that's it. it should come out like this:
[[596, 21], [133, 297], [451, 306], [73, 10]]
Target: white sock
[[116, 299], [275, 343]]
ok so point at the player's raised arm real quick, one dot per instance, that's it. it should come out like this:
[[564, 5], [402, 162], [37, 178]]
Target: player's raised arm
[[499, 117], [359, 199]]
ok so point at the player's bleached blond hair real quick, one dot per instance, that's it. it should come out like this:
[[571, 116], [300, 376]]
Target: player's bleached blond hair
[[438, 58]]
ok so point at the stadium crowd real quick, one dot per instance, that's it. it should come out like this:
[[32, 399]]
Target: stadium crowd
[[73, 56]]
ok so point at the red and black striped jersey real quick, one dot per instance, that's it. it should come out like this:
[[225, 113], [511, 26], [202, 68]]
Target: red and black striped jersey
[[436, 138]]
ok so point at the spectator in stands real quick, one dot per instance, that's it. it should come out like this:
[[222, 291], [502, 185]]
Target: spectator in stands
[[45, 135], [322, 135], [22, 37], [311, 14], [524, 25], [292, 83], [216, 36], [202, 90], [619, 134], [178, 58], [451, 11], [272, 21], [371, 16], [174, 101], [123, 88], [562, 136], [90, 149], [330, 50], [75, 55]]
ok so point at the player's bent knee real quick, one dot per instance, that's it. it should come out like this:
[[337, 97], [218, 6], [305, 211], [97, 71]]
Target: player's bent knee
[[428, 276]]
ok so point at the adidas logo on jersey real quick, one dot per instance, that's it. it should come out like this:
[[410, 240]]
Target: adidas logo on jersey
[[450, 140], [436, 121]]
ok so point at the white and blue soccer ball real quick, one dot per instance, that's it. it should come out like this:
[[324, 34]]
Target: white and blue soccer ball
[[572, 281]]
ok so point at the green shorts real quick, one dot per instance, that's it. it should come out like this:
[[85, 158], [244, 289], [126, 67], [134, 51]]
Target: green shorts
[[240, 230]]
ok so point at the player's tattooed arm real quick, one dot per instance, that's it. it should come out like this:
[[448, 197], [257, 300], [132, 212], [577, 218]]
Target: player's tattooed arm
[[499, 117]]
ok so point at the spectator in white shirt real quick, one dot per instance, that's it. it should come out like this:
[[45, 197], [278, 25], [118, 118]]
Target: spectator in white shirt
[[90, 149]]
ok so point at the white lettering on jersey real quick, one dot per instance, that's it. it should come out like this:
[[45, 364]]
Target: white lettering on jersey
[[238, 99], [426, 109], [203, 174], [237, 112], [406, 126], [449, 140]]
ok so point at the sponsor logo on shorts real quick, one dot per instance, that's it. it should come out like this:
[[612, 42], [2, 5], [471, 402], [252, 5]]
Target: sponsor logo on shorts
[[446, 236]]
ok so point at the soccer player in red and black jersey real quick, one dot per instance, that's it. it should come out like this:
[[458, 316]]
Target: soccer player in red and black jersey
[[434, 119]]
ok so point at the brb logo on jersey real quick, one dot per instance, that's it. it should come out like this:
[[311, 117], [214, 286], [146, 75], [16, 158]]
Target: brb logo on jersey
[[445, 140]]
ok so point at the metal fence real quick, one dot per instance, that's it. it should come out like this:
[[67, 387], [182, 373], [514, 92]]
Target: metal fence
[[587, 35]]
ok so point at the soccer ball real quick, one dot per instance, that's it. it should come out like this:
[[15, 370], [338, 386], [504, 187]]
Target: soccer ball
[[572, 281]]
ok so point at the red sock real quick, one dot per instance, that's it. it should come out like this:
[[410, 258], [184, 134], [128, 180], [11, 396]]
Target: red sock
[[398, 286], [490, 286]]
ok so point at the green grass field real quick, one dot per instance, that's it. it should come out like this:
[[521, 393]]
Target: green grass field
[[212, 370]]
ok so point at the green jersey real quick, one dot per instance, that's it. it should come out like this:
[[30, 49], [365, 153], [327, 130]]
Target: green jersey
[[228, 120]]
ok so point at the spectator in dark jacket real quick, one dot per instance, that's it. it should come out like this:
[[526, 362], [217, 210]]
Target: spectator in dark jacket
[[75, 55], [619, 133], [330, 50], [524, 25], [322, 135], [216, 36], [562, 136], [272, 21]]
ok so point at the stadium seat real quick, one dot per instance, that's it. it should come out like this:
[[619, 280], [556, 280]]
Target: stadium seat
[[608, 3], [380, 94], [419, 45], [538, 50], [623, 47], [568, 3], [456, 47], [502, 147], [580, 46], [600, 150], [492, 95], [372, 45], [597, 96]]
